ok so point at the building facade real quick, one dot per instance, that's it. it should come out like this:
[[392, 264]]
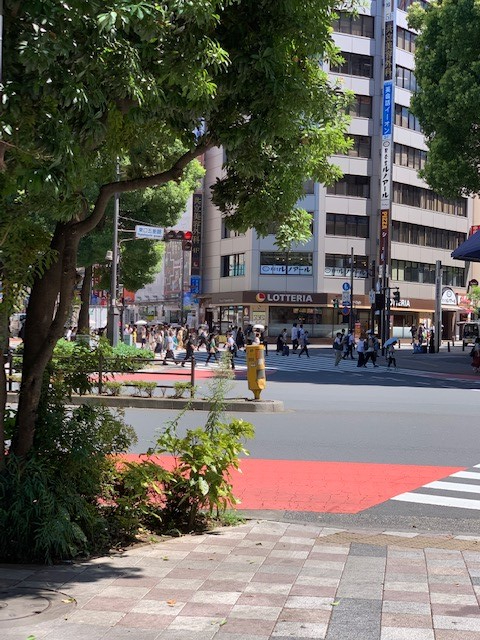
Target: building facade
[[245, 279]]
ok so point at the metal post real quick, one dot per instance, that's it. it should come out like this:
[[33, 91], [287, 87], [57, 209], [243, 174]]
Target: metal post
[[182, 286], [113, 311], [352, 319], [372, 309], [438, 306]]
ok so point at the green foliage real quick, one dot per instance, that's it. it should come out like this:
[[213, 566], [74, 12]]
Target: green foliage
[[113, 388], [447, 101], [181, 387], [143, 387], [473, 296]]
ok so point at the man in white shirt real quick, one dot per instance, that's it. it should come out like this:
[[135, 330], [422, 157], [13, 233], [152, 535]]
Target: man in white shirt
[[294, 336], [169, 353], [232, 348]]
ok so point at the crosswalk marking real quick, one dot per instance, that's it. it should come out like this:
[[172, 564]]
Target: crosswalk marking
[[439, 501], [445, 491], [453, 486]]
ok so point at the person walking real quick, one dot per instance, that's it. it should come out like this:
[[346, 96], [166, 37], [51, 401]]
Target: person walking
[[475, 355], [413, 333], [294, 337], [338, 348], [232, 347], [211, 348], [170, 345], [189, 349], [351, 344], [361, 351], [240, 339], [391, 356], [304, 342], [369, 350]]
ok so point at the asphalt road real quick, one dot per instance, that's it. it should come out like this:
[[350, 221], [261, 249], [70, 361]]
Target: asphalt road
[[424, 414]]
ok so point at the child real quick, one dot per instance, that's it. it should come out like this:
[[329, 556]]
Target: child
[[391, 356]]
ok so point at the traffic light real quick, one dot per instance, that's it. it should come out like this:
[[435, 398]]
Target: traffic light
[[187, 241], [379, 301], [185, 237], [396, 296], [335, 303]]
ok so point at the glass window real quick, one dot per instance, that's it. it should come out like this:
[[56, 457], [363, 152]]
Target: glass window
[[361, 107], [350, 185], [354, 64], [309, 187], [339, 265], [359, 25], [274, 263], [361, 146], [229, 233], [232, 265], [427, 199], [406, 39]]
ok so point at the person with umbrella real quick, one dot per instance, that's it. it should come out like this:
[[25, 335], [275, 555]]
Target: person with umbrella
[[390, 352]]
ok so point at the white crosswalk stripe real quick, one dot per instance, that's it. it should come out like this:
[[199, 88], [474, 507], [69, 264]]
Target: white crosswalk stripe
[[448, 492]]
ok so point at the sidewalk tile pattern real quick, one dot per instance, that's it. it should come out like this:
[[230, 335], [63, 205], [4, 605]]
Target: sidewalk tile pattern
[[266, 580]]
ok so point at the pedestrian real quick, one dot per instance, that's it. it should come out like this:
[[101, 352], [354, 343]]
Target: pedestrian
[[376, 349], [345, 341], [338, 348], [361, 351], [169, 350], [351, 344], [294, 336], [211, 348], [413, 333], [159, 339], [202, 338], [370, 350], [188, 350], [304, 342], [264, 340], [475, 355], [240, 339], [280, 343], [249, 334], [232, 347], [391, 356]]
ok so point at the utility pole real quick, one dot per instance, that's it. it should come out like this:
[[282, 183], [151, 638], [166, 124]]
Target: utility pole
[[438, 306], [351, 324], [182, 287], [113, 311]]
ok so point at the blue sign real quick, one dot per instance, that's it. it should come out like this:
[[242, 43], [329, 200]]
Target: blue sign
[[195, 284], [345, 311], [346, 286], [387, 108], [187, 299]]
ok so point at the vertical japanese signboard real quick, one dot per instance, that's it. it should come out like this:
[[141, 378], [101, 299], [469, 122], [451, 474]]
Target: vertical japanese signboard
[[388, 106], [196, 234]]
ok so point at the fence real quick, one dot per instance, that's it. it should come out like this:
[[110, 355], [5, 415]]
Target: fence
[[107, 367]]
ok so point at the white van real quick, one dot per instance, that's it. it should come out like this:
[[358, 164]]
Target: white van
[[471, 331]]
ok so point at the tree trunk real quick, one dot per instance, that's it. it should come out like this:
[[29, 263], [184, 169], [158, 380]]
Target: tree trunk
[[47, 313], [84, 315], [4, 345]]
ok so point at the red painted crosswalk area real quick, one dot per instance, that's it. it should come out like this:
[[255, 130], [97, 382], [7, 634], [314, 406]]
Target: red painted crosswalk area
[[324, 487]]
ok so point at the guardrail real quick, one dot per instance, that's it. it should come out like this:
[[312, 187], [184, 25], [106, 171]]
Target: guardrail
[[107, 367]]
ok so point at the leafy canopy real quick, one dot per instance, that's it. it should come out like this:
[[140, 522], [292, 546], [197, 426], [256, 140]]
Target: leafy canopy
[[447, 103]]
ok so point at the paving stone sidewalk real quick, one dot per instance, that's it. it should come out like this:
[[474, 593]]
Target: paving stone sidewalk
[[257, 581]]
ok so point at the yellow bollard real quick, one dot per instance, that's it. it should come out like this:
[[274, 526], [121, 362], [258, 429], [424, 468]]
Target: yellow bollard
[[256, 369]]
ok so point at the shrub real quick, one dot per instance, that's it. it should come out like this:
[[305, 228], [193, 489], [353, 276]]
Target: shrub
[[142, 387], [181, 387], [113, 387]]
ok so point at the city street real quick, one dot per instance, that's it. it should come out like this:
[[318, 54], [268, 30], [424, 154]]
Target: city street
[[359, 445]]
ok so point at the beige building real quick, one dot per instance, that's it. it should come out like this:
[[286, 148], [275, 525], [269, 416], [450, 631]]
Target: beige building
[[244, 279]]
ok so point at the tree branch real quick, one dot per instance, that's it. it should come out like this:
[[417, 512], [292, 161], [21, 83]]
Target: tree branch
[[108, 190]]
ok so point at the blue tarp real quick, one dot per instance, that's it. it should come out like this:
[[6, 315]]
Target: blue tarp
[[469, 250]]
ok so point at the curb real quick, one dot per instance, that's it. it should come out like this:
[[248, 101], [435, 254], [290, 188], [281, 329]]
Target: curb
[[244, 405]]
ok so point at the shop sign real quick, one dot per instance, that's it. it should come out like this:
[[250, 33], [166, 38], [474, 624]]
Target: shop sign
[[280, 270], [449, 297], [284, 297], [401, 303]]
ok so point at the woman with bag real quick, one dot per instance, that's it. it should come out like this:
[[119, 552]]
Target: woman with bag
[[212, 348]]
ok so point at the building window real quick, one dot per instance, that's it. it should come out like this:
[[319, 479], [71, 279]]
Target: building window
[[339, 265], [405, 118], [309, 187], [274, 263], [426, 236], [406, 271], [233, 265], [403, 5], [405, 78], [361, 107], [354, 25], [361, 147], [406, 39], [229, 233], [410, 157], [354, 65], [353, 186], [339, 224], [426, 199]]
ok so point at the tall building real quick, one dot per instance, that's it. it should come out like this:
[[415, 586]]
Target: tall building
[[380, 212]]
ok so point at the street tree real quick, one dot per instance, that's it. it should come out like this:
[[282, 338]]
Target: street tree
[[447, 101], [157, 85]]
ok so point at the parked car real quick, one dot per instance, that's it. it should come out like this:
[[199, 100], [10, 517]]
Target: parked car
[[471, 331]]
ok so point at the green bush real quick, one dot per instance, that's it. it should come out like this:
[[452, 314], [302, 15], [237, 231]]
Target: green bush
[[181, 387], [113, 387], [142, 387]]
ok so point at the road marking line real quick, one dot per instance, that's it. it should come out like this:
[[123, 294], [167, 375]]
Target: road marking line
[[440, 501], [468, 475], [453, 486]]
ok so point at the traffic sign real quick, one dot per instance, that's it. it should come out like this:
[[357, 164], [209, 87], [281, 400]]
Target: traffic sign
[[346, 286], [149, 233], [371, 295], [346, 311], [346, 297]]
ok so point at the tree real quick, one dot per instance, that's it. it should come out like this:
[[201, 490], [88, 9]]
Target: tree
[[158, 85], [473, 296], [139, 259], [447, 102]]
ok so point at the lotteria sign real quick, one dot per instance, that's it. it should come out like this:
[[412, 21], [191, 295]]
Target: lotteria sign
[[284, 297]]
